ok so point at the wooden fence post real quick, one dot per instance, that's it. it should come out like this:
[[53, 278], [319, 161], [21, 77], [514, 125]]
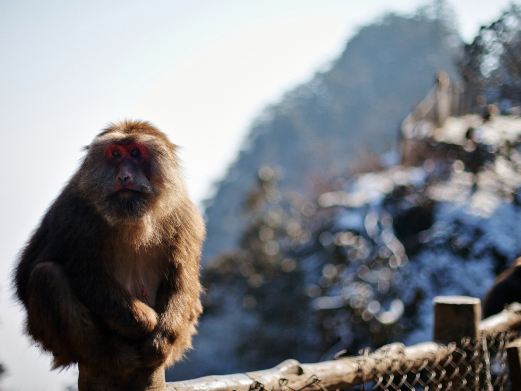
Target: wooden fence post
[[456, 318], [514, 363]]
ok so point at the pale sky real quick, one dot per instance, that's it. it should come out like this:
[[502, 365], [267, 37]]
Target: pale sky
[[200, 70]]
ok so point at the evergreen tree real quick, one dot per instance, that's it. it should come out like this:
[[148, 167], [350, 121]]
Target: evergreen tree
[[265, 274], [491, 64]]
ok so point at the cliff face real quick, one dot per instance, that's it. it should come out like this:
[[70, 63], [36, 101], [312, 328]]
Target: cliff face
[[321, 130], [322, 127]]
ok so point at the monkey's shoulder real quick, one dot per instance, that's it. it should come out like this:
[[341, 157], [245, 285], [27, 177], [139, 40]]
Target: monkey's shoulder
[[189, 222], [68, 232], [70, 227]]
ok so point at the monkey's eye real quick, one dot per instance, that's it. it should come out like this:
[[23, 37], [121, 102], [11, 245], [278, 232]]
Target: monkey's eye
[[135, 152], [114, 152]]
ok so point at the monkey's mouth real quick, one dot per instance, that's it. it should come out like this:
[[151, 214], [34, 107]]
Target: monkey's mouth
[[127, 192], [129, 202], [131, 188]]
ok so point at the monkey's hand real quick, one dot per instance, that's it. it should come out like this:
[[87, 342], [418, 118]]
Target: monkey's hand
[[138, 321], [144, 315]]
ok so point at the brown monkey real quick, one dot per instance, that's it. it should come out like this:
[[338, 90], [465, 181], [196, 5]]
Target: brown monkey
[[110, 278], [506, 290]]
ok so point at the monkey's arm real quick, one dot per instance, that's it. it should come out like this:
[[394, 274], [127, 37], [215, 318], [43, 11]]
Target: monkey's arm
[[177, 317], [178, 298]]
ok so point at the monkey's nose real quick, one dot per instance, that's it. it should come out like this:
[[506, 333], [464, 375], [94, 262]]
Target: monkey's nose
[[124, 179]]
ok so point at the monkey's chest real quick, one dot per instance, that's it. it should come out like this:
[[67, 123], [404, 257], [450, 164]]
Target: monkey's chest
[[140, 277], [144, 285]]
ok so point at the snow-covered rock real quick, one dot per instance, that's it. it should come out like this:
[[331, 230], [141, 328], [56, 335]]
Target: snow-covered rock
[[444, 232]]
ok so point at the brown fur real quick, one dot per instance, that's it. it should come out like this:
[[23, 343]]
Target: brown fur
[[80, 275]]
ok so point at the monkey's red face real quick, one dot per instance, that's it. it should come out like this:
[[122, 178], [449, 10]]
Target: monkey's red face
[[130, 185]]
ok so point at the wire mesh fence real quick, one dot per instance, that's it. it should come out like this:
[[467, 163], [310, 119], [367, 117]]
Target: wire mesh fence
[[468, 365], [471, 363]]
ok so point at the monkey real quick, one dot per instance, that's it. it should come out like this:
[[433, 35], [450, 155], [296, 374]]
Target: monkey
[[110, 278], [506, 290]]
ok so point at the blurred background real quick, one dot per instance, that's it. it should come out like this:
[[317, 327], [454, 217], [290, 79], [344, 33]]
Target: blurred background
[[353, 159]]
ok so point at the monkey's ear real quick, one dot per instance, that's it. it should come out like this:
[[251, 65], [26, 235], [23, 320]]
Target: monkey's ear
[[85, 148]]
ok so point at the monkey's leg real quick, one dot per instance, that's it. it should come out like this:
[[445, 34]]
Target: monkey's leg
[[144, 379], [65, 327]]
